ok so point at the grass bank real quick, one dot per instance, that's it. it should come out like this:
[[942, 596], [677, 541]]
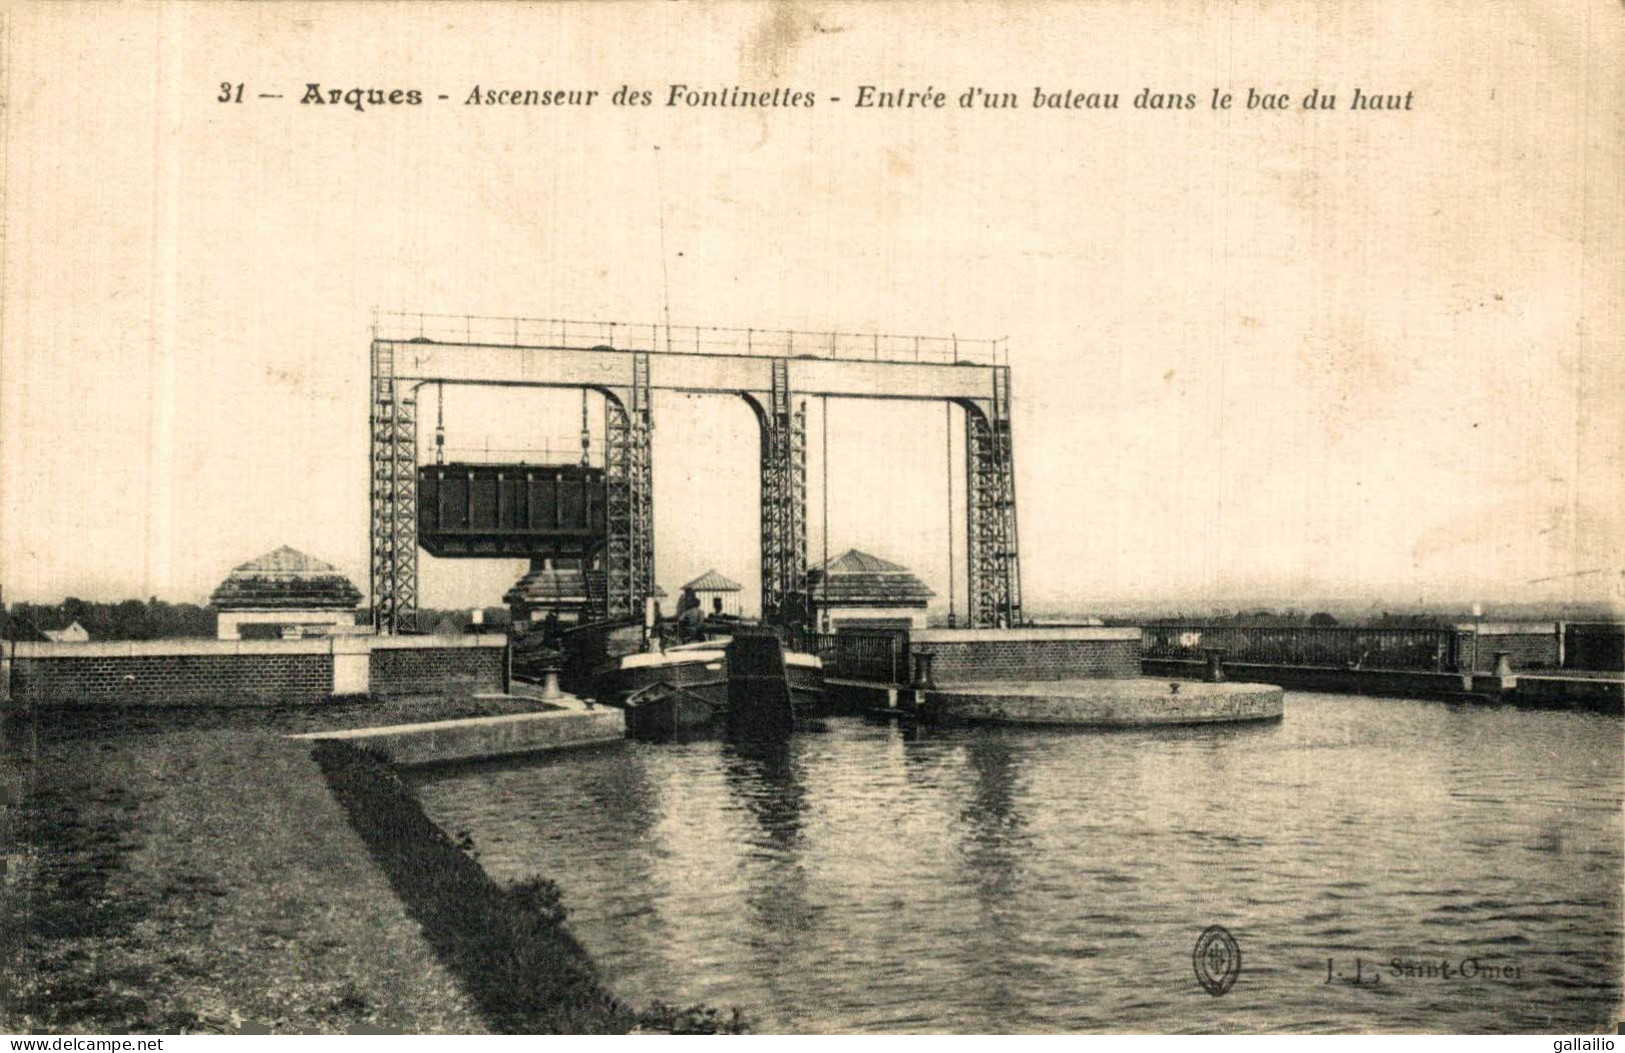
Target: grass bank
[[201, 881], [195, 871], [509, 946]]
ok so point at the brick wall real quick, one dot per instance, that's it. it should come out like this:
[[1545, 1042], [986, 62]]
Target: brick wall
[[173, 680], [437, 670], [247, 672], [960, 656], [1532, 646], [1526, 650]]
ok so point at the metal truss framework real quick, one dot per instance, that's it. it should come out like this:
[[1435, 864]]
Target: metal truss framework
[[393, 450], [784, 495], [400, 366], [629, 500], [992, 554]]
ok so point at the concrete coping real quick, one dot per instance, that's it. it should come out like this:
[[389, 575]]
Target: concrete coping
[[1102, 687], [185, 647], [1025, 633], [1509, 628], [439, 725], [653, 659], [407, 643]]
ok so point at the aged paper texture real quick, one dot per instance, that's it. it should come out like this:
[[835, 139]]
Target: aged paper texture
[[998, 371]]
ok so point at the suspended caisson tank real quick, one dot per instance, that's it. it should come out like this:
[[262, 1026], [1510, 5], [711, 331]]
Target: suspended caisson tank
[[501, 510]]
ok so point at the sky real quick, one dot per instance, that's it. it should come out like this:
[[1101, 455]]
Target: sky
[[1255, 354]]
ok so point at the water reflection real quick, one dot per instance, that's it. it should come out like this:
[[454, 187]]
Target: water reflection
[[874, 880], [761, 774], [991, 845]]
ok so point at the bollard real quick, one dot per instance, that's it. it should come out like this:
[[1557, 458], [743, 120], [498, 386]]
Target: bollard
[[550, 681], [1503, 663], [1215, 666], [922, 672]]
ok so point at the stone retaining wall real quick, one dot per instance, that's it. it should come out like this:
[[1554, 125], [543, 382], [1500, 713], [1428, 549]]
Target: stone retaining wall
[[1104, 703]]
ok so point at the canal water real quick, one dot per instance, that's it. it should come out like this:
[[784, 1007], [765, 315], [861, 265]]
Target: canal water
[[864, 879]]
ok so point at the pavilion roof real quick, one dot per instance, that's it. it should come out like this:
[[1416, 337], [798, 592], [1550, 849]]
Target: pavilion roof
[[286, 578], [860, 579], [555, 584], [711, 581]]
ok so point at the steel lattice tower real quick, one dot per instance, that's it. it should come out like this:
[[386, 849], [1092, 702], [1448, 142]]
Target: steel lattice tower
[[394, 533], [784, 495], [629, 497], [992, 554]]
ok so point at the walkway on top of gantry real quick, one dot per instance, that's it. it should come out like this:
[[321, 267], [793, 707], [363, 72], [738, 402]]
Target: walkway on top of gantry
[[410, 326]]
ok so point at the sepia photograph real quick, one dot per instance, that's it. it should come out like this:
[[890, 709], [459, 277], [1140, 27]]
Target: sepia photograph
[[778, 518]]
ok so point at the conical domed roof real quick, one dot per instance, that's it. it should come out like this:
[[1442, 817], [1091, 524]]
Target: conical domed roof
[[711, 581], [548, 585], [286, 578], [859, 579], [285, 560]]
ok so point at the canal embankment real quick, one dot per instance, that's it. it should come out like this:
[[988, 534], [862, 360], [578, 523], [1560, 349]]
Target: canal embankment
[[509, 946], [1545, 665], [1539, 665], [484, 738], [1589, 692], [201, 881], [196, 870]]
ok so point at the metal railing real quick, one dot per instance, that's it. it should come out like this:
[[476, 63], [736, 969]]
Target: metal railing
[[880, 657], [1594, 646], [1341, 647], [688, 339], [539, 456]]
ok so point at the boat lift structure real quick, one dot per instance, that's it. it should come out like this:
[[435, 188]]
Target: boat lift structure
[[769, 369]]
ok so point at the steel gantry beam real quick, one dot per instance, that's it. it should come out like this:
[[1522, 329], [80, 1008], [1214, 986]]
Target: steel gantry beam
[[393, 449], [604, 367], [627, 379]]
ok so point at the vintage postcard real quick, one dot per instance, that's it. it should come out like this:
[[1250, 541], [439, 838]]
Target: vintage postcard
[[812, 518]]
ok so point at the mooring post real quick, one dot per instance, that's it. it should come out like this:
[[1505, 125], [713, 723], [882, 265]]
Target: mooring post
[[550, 680], [1214, 674], [922, 684], [922, 672]]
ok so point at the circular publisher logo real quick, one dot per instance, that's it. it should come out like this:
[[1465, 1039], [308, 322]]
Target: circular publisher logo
[[1217, 960]]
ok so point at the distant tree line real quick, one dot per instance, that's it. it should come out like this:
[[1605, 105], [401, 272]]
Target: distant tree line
[[456, 621], [154, 619], [1291, 618]]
